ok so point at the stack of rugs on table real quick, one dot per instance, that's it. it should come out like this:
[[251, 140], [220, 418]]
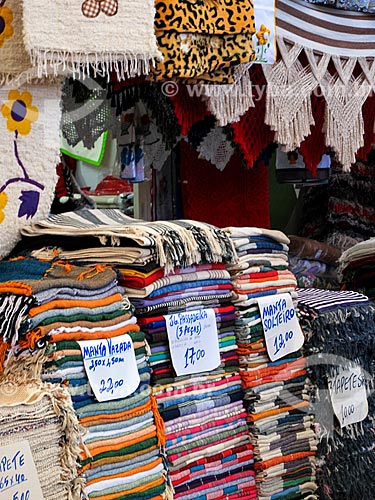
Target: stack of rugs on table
[[340, 330], [314, 264], [357, 268], [43, 320], [276, 397]]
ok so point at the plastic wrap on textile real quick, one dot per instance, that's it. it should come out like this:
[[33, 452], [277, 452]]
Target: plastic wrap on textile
[[238, 196], [198, 44]]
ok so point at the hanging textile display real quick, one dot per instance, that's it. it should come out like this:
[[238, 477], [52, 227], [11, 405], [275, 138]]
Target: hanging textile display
[[15, 61], [250, 133], [229, 102], [265, 31], [79, 34], [206, 42], [314, 55], [29, 153], [237, 194]]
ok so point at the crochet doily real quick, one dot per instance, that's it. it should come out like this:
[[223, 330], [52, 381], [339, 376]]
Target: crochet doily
[[216, 148], [154, 148]]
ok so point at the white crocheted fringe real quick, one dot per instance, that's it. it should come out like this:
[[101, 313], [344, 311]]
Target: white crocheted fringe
[[290, 85], [80, 64], [229, 102]]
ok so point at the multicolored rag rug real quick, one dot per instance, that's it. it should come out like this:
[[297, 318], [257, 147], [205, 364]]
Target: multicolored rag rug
[[75, 35], [29, 152]]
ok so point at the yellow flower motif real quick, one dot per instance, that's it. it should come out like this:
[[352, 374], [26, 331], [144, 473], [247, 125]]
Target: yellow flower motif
[[3, 204], [260, 34], [6, 28], [19, 112]]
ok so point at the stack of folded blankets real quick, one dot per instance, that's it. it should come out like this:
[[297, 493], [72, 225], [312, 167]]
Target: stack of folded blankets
[[208, 444], [314, 264], [121, 456], [172, 267], [276, 396], [358, 268], [339, 329]]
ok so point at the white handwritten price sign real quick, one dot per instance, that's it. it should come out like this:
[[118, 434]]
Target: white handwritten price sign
[[347, 389], [18, 475], [111, 367], [282, 331], [193, 341]]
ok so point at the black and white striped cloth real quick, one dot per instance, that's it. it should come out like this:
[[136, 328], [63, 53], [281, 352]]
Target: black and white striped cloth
[[325, 300], [13, 312], [178, 243]]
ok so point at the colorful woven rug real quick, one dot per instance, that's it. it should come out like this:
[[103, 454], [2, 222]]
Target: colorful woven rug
[[29, 152]]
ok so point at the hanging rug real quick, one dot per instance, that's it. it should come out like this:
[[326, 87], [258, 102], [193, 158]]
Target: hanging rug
[[103, 34], [29, 153]]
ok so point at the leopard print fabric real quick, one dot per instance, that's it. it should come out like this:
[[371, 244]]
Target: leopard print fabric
[[203, 40], [208, 16], [194, 56]]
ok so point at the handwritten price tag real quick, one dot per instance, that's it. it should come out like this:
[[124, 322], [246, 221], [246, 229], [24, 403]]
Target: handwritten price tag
[[111, 367], [348, 395], [18, 475], [282, 331], [193, 341]]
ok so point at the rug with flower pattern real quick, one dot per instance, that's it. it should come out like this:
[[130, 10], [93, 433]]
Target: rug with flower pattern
[[29, 152]]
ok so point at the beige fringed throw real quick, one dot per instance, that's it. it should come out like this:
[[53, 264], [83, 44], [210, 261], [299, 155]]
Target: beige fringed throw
[[107, 35], [43, 415]]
